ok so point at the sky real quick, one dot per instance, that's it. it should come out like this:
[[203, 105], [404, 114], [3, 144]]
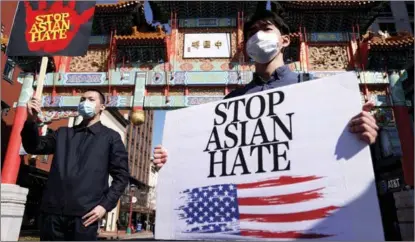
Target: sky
[[159, 117]]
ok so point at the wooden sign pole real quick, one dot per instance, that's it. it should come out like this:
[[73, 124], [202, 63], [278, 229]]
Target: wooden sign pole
[[40, 83], [41, 77]]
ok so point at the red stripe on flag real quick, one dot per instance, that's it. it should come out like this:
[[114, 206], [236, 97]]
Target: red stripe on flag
[[282, 180], [288, 217], [282, 235], [281, 199]]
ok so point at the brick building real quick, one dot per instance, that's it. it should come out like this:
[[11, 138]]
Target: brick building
[[139, 145], [139, 148], [10, 87]]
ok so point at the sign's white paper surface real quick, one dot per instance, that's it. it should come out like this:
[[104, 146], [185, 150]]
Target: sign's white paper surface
[[313, 180]]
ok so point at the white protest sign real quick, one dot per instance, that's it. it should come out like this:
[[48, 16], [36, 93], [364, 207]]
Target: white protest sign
[[279, 164]]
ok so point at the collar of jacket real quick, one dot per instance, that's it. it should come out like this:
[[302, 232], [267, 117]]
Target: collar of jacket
[[279, 74], [95, 128]]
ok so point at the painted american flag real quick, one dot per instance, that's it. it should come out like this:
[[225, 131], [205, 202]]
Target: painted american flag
[[224, 209]]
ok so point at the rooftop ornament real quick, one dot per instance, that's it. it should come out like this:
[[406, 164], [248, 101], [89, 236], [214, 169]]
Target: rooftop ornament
[[385, 40], [159, 34]]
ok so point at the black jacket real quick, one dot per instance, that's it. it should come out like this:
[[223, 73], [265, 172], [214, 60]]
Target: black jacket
[[82, 162]]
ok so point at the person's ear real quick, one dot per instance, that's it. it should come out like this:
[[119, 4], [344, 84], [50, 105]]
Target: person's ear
[[102, 108], [285, 41]]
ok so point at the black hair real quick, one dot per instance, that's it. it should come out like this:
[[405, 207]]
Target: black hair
[[264, 16], [101, 95]]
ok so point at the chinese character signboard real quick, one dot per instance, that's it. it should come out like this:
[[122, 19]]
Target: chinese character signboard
[[279, 164], [49, 28], [207, 45]]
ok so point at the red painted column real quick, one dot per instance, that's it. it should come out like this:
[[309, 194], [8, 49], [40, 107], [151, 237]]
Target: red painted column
[[406, 137], [11, 164], [12, 159], [167, 42], [62, 63]]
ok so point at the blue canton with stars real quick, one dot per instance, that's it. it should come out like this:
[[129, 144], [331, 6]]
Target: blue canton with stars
[[211, 209]]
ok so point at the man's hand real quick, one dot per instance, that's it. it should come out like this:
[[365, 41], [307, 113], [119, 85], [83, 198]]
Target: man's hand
[[160, 156], [364, 124], [33, 108], [97, 213]]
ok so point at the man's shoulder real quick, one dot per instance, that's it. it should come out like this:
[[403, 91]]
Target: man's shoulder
[[108, 130], [239, 91], [290, 78], [293, 76], [235, 93], [63, 129]]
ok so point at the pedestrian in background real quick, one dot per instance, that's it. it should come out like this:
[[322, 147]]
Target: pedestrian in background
[[77, 194]]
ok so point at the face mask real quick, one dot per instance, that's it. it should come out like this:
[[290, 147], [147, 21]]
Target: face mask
[[263, 47], [86, 109]]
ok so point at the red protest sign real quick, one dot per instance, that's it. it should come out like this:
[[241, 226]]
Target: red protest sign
[[51, 28]]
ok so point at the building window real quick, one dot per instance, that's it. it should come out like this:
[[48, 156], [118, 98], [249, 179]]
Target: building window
[[390, 27], [8, 71], [410, 8]]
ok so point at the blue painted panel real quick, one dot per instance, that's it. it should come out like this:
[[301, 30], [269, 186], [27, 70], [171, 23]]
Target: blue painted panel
[[328, 37], [99, 40], [206, 22], [73, 101], [321, 74], [196, 100]]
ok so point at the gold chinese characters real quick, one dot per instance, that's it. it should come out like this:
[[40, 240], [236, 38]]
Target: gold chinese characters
[[195, 44], [218, 44], [206, 44]]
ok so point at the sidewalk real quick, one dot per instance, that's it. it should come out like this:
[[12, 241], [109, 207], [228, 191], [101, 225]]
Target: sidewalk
[[123, 236], [139, 235]]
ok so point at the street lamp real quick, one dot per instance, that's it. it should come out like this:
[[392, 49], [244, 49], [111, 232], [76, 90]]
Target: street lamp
[[132, 189]]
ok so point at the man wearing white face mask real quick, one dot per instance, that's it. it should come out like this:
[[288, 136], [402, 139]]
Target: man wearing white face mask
[[77, 194], [266, 36]]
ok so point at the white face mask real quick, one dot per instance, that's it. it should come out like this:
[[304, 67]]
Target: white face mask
[[263, 47], [87, 109]]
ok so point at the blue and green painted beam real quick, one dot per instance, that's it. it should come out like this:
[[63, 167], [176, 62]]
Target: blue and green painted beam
[[140, 81]]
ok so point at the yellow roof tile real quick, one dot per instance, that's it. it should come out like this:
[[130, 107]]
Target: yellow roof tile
[[120, 4], [137, 35], [402, 39]]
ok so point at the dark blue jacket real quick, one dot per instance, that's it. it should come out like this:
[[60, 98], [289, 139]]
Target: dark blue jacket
[[83, 159], [282, 76]]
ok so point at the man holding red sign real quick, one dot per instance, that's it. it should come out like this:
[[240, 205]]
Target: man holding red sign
[[77, 194]]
